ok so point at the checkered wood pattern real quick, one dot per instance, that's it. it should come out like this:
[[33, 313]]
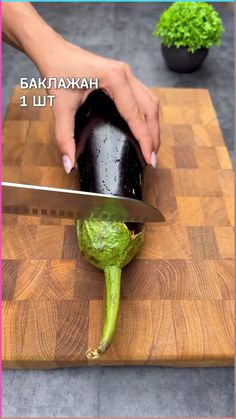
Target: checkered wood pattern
[[177, 295]]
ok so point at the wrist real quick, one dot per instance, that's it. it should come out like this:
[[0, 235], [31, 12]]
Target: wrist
[[24, 29], [41, 48]]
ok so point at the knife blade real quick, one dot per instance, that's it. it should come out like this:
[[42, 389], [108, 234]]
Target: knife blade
[[45, 201]]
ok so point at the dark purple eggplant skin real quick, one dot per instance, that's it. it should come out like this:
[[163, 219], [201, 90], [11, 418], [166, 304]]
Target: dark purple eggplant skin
[[109, 158]]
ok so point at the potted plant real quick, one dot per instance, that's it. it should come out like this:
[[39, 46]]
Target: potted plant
[[187, 31]]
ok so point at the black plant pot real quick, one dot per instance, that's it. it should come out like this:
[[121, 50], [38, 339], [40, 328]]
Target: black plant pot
[[182, 61]]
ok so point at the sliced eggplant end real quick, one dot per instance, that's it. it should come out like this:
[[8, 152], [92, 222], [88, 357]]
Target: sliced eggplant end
[[92, 354], [96, 353]]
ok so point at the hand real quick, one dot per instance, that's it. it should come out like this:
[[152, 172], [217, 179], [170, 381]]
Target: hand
[[56, 57], [137, 105]]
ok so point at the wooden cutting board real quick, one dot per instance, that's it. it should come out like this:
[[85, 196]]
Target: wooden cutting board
[[177, 296]]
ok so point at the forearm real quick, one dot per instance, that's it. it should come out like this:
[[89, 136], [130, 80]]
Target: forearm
[[24, 29]]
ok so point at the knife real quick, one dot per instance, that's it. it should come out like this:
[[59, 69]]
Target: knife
[[45, 201]]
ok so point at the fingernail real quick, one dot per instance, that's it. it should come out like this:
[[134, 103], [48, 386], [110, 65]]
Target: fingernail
[[67, 164], [153, 159]]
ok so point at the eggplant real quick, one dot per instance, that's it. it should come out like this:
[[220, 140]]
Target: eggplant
[[109, 161]]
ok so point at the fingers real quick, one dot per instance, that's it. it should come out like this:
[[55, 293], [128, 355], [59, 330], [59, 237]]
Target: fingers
[[64, 132], [138, 107], [148, 104], [119, 89], [133, 100]]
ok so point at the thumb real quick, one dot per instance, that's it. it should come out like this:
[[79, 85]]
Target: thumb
[[64, 132]]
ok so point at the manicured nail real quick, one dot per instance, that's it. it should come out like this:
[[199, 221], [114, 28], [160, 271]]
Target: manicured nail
[[67, 164], [153, 159]]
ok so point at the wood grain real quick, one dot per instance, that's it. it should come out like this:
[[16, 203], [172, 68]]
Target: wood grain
[[177, 295]]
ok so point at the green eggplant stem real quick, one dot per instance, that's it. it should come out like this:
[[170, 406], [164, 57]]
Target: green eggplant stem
[[113, 285]]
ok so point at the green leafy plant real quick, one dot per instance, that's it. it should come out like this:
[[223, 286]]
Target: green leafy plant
[[193, 25]]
